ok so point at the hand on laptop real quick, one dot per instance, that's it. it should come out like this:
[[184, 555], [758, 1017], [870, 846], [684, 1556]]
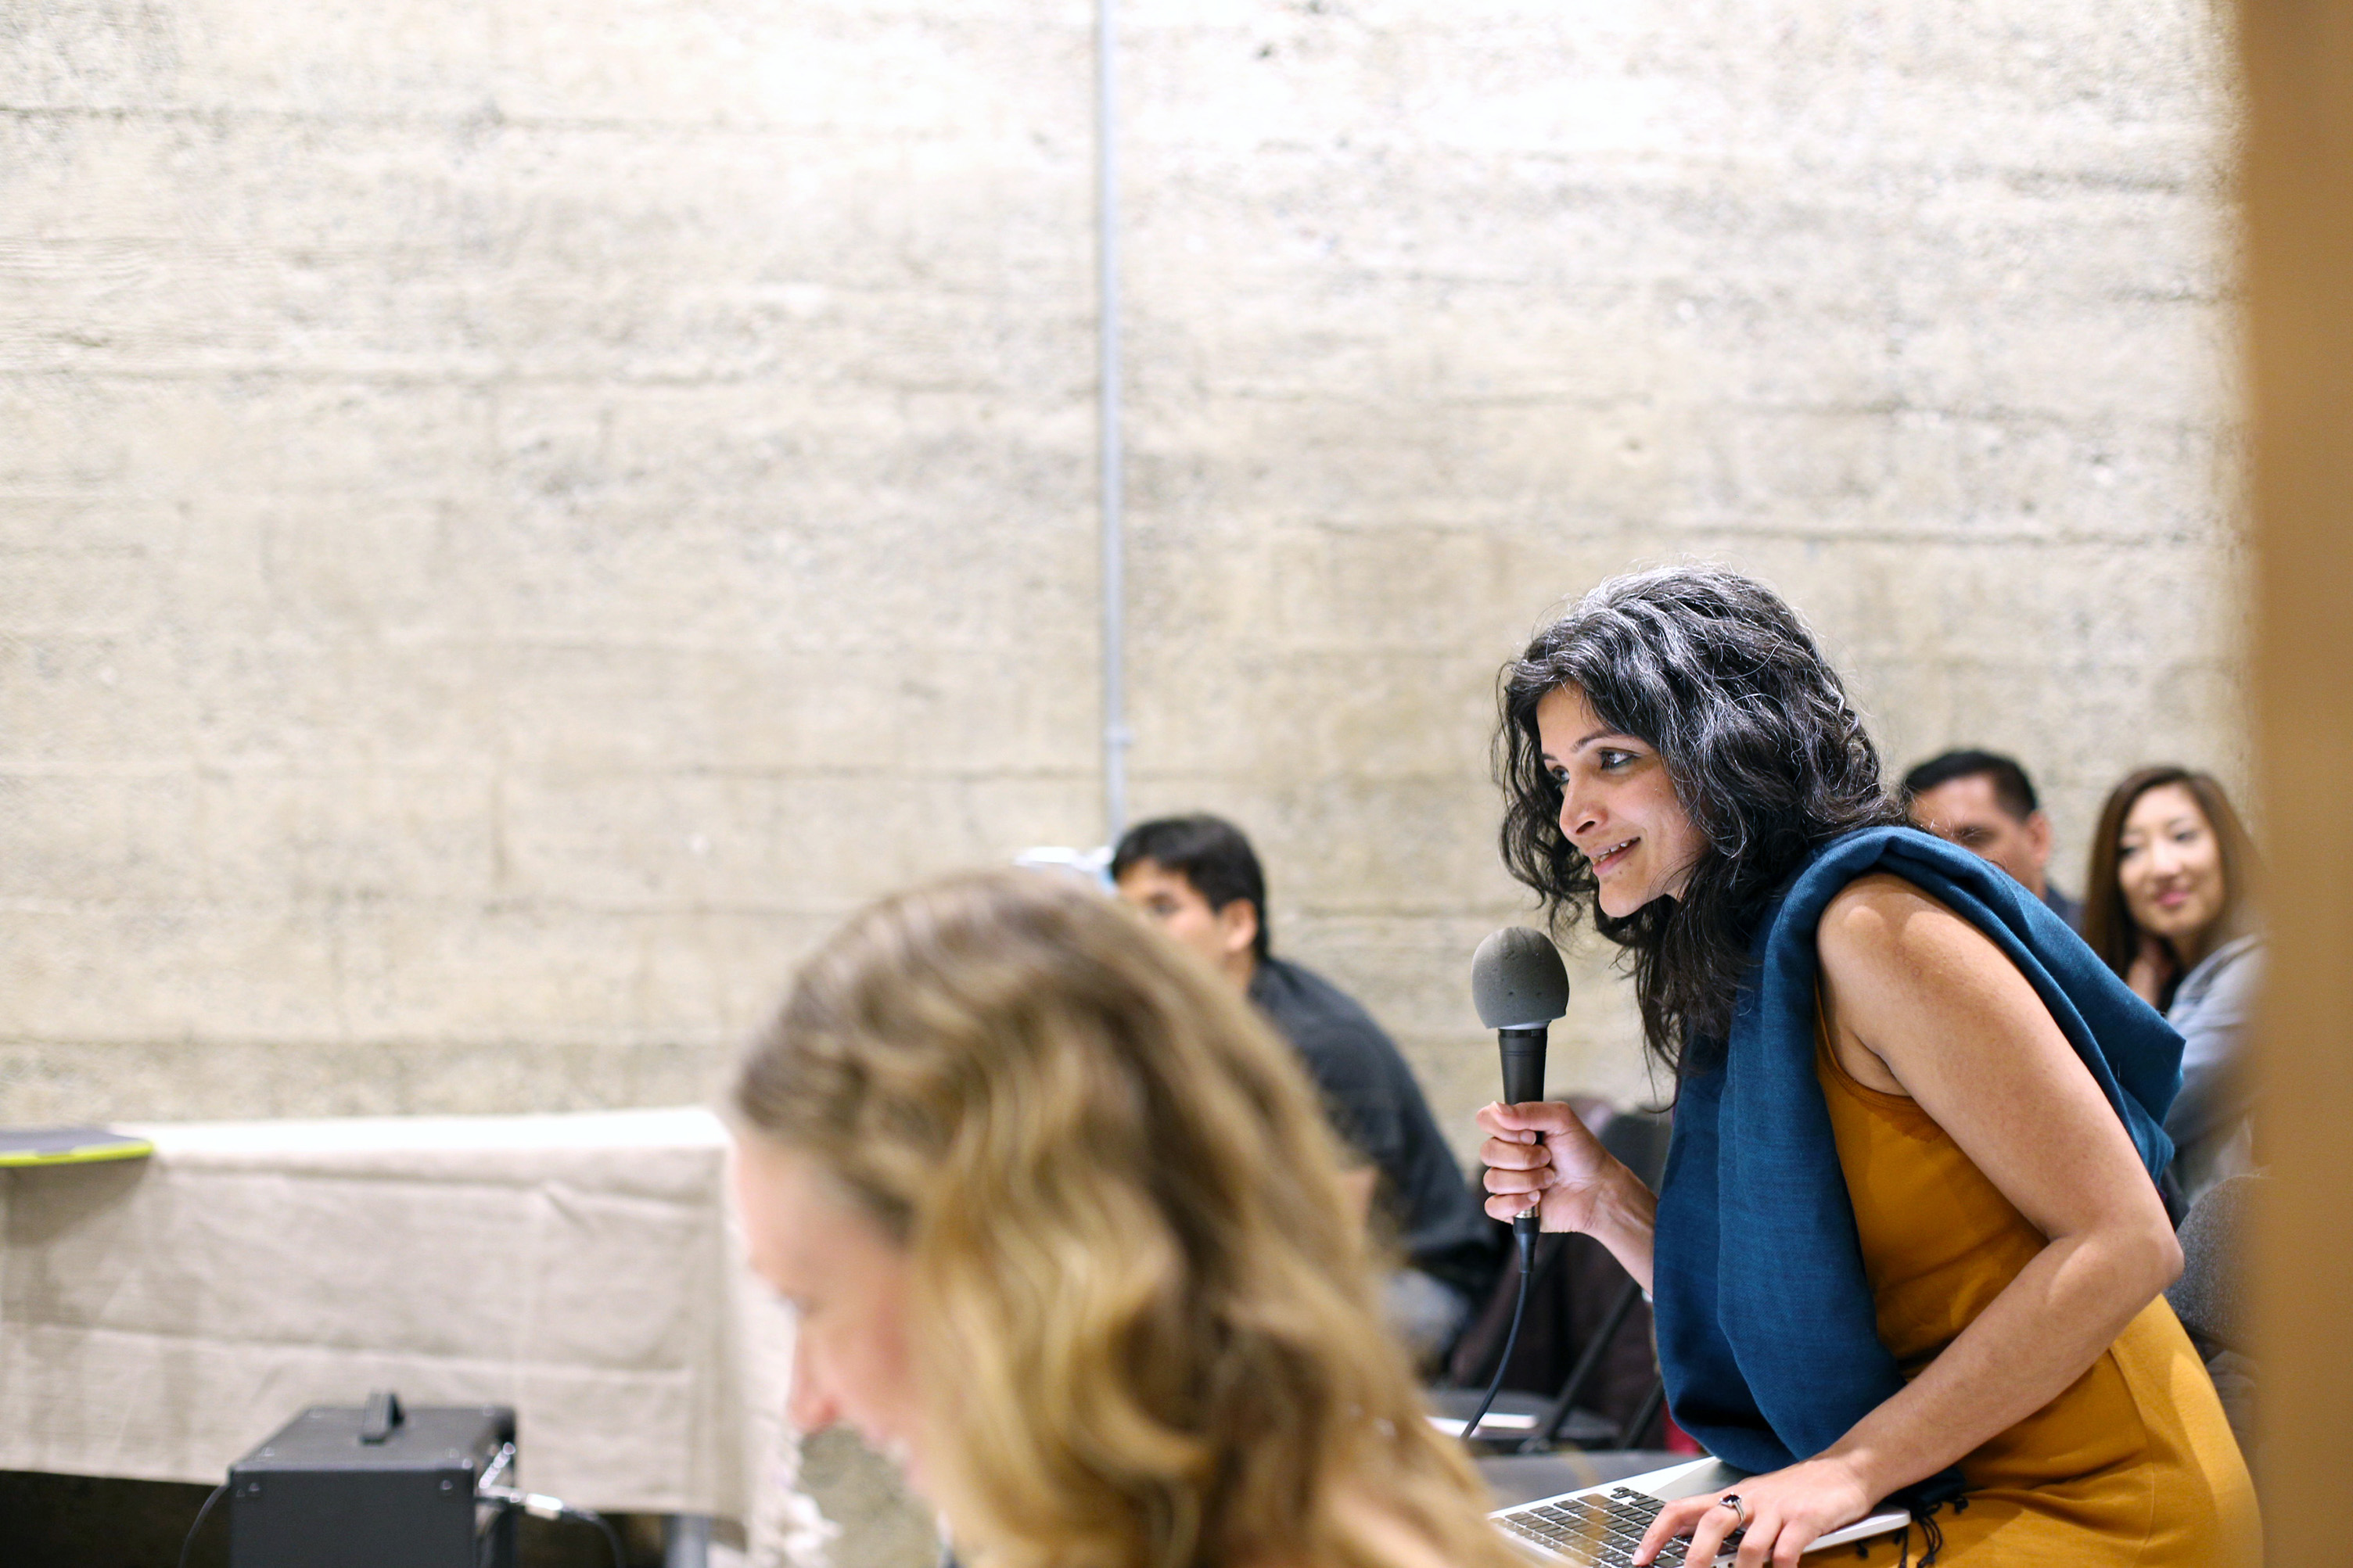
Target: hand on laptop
[[1783, 1512]]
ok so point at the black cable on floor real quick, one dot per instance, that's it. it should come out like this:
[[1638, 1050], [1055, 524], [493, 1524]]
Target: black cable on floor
[[612, 1536], [189, 1545], [540, 1506]]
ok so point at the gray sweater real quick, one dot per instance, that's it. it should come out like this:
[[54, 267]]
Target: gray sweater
[[2213, 1008]]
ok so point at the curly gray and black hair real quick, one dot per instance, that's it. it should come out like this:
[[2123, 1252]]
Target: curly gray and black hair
[[1765, 751]]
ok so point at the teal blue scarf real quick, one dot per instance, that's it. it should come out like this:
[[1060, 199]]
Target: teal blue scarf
[[1767, 1335]]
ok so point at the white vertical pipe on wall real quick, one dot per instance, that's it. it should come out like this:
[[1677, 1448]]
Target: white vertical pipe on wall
[[1115, 735]]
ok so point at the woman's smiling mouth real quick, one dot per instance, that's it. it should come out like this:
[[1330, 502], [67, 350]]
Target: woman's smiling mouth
[[1608, 859]]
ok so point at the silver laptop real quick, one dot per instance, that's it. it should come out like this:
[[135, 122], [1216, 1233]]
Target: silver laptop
[[1599, 1527]]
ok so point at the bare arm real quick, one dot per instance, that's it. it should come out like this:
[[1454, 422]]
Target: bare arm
[[1921, 1002]]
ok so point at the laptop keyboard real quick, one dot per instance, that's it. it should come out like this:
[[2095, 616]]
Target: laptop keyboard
[[1601, 1531]]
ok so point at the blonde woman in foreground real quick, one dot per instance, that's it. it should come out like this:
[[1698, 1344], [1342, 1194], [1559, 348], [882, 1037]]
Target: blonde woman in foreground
[[1065, 1229]]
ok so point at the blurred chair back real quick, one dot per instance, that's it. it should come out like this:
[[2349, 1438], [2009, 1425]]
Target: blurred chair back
[[2211, 1296], [1638, 1140]]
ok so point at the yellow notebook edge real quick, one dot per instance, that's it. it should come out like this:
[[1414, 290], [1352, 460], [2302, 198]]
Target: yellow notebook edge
[[88, 1154]]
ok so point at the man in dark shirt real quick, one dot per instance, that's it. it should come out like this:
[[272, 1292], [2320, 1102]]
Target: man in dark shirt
[[1199, 880], [1984, 802]]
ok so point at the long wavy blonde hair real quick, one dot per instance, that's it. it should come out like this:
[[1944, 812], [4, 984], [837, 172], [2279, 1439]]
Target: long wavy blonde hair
[[1146, 1332]]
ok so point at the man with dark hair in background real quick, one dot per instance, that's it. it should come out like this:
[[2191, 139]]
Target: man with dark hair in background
[[1199, 880], [1984, 802]]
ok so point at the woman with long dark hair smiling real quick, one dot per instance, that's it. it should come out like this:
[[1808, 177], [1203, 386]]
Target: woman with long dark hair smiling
[[1909, 1243], [2169, 906]]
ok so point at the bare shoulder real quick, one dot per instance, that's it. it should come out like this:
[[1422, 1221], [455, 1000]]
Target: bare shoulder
[[1880, 916], [1887, 949], [1913, 983]]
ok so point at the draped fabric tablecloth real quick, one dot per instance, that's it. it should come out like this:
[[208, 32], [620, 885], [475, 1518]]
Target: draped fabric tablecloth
[[159, 1317]]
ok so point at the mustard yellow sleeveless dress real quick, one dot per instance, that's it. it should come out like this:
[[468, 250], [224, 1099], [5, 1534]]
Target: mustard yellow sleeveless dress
[[2133, 1464]]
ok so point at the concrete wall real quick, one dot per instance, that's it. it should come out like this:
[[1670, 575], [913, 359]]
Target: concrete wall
[[514, 517], [1921, 313]]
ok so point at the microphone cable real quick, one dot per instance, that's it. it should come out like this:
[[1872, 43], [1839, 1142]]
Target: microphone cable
[[1524, 1236]]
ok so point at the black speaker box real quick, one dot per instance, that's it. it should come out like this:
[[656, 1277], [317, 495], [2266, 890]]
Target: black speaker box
[[377, 1487]]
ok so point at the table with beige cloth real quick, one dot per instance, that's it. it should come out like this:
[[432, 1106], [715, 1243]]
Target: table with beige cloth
[[160, 1317]]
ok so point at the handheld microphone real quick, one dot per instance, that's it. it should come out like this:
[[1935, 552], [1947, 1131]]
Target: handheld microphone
[[1519, 986]]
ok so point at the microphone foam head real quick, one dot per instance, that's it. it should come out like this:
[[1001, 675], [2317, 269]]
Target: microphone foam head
[[1517, 980]]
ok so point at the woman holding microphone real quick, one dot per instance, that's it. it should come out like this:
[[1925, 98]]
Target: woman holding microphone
[[1909, 1243]]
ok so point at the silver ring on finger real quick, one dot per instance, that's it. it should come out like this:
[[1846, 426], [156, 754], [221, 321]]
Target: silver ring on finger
[[1740, 1509]]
